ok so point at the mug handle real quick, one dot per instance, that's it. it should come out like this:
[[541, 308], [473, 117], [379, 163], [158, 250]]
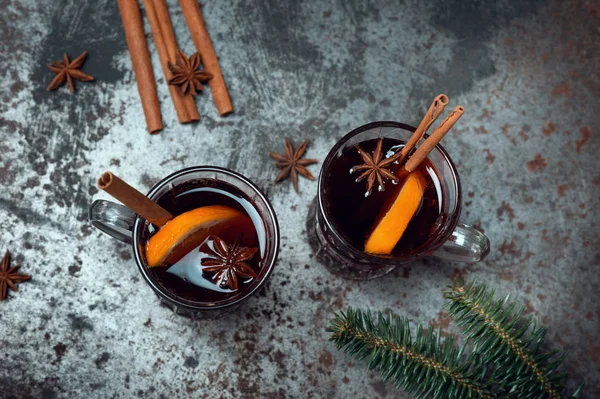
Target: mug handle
[[113, 219], [466, 244]]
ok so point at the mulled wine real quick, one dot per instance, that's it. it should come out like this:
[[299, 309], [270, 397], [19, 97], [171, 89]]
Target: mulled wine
[[355, 202], [214, 246]]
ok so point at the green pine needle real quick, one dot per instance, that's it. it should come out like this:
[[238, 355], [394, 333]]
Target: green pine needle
[[506, 360], [499, 337], [423, 366]]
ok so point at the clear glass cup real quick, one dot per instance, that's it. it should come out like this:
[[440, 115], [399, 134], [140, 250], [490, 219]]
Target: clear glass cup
[[122, 224], [451, 240]]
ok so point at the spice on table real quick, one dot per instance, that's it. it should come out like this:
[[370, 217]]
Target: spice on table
[[142, 65], [292, 164], [228, 262], [195, 22], [186, 74], [67, 71], [9, 278], [166, 44]]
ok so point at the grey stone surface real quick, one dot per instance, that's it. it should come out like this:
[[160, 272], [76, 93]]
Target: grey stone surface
[[527, 150]]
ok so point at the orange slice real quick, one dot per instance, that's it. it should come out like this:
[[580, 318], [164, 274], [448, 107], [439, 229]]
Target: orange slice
[[188, 230], [391, 226]]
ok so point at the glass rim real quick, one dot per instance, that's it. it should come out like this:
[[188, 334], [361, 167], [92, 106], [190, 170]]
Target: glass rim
[[225, 303], [352, 248]]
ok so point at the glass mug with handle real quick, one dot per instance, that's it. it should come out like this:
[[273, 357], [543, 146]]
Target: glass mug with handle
[[342, 215], [227, 212]]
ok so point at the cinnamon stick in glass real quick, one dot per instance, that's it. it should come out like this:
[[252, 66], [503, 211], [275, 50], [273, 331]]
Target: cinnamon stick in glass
[[435, 110], [424, 149], [133, 199], [140, 59], [195, 22], [166, 45]]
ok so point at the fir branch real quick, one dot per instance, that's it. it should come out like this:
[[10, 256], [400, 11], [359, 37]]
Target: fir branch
[[423, 367], [522, 370]]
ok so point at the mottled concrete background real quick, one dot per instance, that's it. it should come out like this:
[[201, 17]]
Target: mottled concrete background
[[527, 149]]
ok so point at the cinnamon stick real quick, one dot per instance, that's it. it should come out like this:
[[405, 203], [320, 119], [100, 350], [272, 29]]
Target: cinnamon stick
[[435, 110], [133, 199], [195, 22], [424, 149], [166, 45], [169, 36], [140, 59]]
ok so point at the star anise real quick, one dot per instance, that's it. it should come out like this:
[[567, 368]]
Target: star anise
[[9, 278], [292, 164], [227, 261], [186, 74], [374, 168], [67, 71]]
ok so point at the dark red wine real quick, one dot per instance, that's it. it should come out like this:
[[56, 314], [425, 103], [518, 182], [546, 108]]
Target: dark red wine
[[354, 214], [214, 267]]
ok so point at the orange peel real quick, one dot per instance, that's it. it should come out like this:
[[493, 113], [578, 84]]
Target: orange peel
[[188, 230], [391, 227]]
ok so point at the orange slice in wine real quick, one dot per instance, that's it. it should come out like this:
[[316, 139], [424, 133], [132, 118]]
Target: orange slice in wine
[[392, 225], [188, 230]]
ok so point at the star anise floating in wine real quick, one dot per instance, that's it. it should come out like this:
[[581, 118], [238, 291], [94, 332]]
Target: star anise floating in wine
[[9, 278], [67, 71], [186, 74], [292, 164], [375, 168], [228, 262]]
